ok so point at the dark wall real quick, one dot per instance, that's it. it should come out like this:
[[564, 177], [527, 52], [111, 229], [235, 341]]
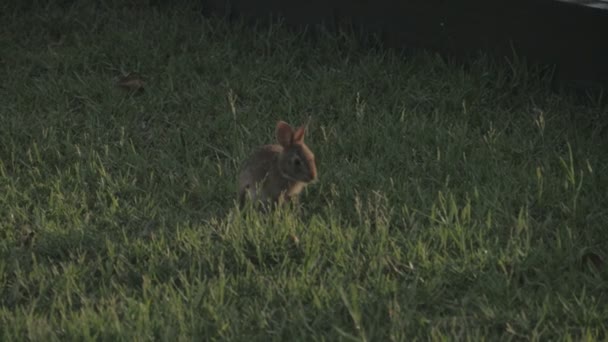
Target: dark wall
[[572, 37]]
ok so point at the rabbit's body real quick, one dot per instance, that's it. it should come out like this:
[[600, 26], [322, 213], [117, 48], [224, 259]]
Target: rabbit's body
[[278, 173]]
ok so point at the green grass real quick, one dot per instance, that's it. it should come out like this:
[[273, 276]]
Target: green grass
[[453, 203]]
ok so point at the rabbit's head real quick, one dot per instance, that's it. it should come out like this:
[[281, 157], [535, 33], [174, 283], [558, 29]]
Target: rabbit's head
[[296, 161]]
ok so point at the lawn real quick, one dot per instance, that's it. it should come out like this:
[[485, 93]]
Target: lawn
[[454, 201]]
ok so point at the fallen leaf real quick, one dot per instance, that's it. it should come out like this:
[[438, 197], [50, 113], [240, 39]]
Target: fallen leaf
[[132, 82], [593, 259], [294, 239], [56, 41]]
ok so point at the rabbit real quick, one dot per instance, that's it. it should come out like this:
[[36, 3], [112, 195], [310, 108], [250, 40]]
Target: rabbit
[[276, 174]]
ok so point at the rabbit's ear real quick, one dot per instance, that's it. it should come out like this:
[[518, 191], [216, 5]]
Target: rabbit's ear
[[298, 135], [284, 134]]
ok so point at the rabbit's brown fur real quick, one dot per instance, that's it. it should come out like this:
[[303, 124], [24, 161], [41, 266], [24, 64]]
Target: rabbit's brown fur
[[278, 173]]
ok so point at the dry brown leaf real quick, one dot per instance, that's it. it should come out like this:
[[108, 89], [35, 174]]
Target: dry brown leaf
[[294, 239], [56, 41], [132, 82], [593, 259]]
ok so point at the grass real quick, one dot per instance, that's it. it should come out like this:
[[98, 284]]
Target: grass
[[453, 203]]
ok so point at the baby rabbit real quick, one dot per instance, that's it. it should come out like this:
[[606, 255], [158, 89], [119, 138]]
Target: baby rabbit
[[277, 173]]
